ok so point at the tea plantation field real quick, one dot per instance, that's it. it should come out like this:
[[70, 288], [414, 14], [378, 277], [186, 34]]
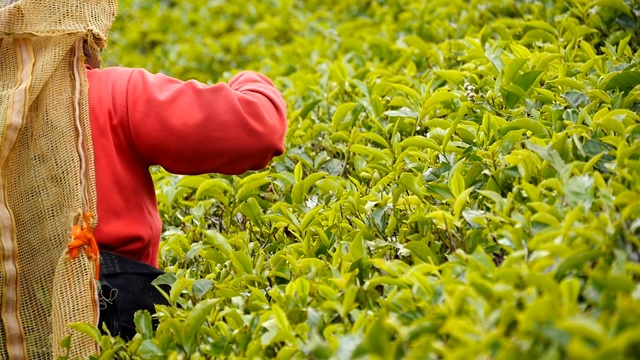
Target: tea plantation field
[[461, 181]]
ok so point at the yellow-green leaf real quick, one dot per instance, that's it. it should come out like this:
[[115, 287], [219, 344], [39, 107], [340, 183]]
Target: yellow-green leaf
[[437, 98], [419, 142], [242, 262]]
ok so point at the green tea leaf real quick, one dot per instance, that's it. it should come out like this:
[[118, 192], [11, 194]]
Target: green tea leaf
[[576, 261], [308, 108], [357, 249], [616, 4], [192, 182], [251, 210], [530, 125], [242, 262], [420, 142], [193, 323], [438, 98], [369, 151], [452, 76], [340, 113], [211, 187], [142, 320], [526, 80], [280, 317], [457, 184], [377, 339], [201, 287], [408, 181], [583, 327], [87, 329], [569, 83], [376, 138], [219, 241], [512, 69], [421, 250], [576, 98], [309, 217], [148, 350], [621, 81], [461, 201], [246, 189]]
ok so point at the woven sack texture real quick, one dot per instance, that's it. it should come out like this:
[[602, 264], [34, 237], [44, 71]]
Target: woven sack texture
[[46, 173]]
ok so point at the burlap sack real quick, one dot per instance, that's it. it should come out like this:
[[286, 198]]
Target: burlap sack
[[46, 173]]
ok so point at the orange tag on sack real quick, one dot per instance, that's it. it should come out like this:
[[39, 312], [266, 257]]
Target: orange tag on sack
[[82, 237]]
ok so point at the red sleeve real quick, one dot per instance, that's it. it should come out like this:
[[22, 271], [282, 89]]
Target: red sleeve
[[189, 127]]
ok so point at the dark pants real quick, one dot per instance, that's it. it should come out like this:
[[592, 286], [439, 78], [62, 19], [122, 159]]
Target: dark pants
[[126, 288]]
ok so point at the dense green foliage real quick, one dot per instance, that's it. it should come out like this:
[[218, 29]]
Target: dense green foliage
[[461, 180]]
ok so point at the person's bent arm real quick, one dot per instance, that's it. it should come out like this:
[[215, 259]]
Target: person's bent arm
[[189, 127]]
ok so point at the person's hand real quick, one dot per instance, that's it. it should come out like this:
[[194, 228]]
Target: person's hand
[[89, 59]]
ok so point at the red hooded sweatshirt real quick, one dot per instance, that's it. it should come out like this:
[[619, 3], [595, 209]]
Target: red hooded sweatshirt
[[139, 119]]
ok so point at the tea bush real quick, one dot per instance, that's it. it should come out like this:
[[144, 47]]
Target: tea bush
[[461, 181]]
